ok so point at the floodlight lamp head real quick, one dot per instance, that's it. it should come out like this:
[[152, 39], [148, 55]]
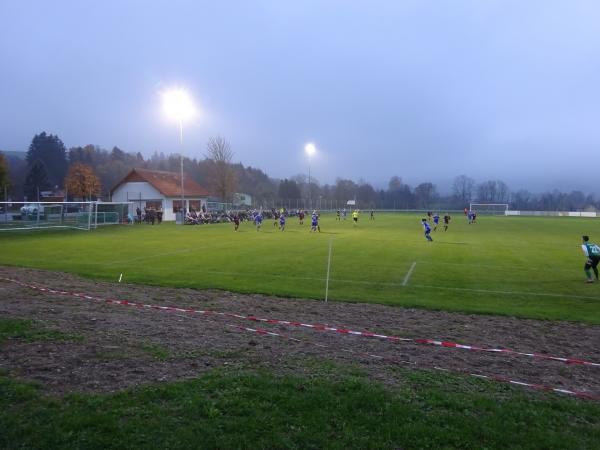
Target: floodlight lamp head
[[310, 149], [178, 105]]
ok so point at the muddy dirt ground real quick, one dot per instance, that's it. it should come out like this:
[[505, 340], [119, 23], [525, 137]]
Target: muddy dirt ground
[[123, 346]]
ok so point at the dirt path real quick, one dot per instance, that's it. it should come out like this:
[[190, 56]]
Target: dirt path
[[122, 346]]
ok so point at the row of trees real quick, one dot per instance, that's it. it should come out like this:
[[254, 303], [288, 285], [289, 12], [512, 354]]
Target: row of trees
[[398, 194], [47, 168], [90, 172]]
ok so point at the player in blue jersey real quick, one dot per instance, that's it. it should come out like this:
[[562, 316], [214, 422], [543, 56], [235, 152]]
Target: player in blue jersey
[[258, 221], [592, 253], [427, 229], [436, 221], [314, 223], [282, 222]]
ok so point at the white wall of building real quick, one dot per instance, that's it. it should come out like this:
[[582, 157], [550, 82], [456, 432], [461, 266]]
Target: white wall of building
[[133, 191], [139, 192]]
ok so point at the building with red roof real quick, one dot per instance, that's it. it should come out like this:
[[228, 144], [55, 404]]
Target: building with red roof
[[160, 190]]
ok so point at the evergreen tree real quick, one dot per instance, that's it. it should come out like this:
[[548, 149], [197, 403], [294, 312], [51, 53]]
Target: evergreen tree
[[4, 178], [50, 150], [288, 190], [117, 154], [36, 180]]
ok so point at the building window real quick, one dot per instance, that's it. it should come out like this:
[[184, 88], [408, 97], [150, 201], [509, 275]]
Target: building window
[[176, 205], [154, 204], [195, 205]]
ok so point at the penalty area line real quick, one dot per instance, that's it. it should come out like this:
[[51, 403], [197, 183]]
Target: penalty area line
[[409, 273]]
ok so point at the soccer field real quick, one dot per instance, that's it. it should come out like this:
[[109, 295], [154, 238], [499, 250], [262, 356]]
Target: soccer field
[[527, 267]]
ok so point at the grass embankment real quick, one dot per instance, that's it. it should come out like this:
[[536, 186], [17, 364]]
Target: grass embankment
[[250, 409]]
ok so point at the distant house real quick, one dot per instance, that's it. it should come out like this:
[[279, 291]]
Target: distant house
[[159, 190], [240, 199]]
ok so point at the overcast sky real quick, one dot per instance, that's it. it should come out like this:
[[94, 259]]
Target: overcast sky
[[421, 89]]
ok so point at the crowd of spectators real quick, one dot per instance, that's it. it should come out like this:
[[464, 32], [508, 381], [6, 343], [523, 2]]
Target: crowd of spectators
[[149, 215], [202, 217]]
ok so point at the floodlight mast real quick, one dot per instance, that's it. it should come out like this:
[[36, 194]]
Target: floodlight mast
[[178, 105], [310, 150], [181, 169]]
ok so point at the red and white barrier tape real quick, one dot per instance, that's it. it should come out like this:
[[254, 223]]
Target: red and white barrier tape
[[263, 332], [318, 327], [498, 378]]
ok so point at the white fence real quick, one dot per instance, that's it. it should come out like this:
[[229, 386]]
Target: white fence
[[554, 213]]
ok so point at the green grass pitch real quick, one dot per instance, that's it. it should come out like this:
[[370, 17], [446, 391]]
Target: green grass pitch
[[526, 267]]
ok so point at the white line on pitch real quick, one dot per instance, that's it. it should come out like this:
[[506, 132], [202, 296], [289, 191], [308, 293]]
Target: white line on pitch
[[159, 255], [514, 268], [409, 273], [420, 286], [490, 291]]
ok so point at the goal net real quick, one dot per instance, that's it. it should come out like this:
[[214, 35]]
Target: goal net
[[74, 215], [109, 213], [490, 209]]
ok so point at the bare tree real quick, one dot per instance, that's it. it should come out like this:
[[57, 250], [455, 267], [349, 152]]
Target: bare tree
[[344, 190], [502, 192], [523, 200], [462, 188], [493, 191], [395, 184], [222, 174], [425, 194]]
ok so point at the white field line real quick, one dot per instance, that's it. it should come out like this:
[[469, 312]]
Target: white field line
[[512, 268], [409, 273], [495, 266], [421, 286], [491, 291], [159, 255]]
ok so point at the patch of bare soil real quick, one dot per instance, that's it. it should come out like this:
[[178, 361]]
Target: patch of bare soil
[[124, 346]]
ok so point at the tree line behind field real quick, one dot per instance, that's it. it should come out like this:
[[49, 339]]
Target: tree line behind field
[[90, 172]]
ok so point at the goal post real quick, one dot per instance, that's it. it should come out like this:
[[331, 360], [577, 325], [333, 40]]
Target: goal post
[[38, 215], [492, 209], [68, 215], [112, 213]]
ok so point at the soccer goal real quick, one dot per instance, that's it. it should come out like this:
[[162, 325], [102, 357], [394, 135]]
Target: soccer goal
[[111, 213], [490, 209], [74, 215]]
